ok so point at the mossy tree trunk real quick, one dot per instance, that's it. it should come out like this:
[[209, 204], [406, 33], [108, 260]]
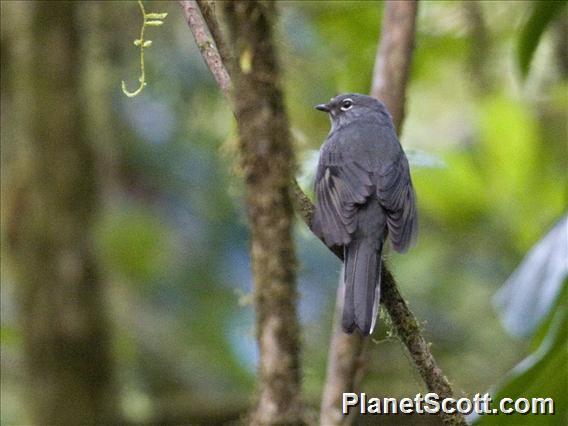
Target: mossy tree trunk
[[268, 162], [55, 197]]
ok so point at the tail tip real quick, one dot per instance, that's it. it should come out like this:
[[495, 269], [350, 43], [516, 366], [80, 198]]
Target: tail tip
[[350, 327]]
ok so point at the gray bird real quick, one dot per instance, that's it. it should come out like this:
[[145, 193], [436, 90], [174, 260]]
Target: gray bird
[[364, 194]]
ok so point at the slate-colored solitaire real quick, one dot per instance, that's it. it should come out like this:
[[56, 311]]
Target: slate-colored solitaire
[[364, 194]]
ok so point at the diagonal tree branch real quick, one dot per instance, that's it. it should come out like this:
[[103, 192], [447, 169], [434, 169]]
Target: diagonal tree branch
[[206, 45], [406, 325], [207, 8]]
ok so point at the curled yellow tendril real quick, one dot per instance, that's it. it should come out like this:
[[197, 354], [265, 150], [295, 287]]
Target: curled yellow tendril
[[150, 20]]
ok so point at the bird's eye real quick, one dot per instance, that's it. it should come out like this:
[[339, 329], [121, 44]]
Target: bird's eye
[[346, 104]]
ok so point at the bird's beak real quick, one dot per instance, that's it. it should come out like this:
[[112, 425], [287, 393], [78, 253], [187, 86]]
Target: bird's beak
[[322, 107]]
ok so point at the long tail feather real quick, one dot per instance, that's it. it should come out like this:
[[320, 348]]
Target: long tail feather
[[362, 286]]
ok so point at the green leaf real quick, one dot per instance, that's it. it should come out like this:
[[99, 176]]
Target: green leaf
[[534, 289], [154, 23], [156, 15], [542, 14], [542, 374]]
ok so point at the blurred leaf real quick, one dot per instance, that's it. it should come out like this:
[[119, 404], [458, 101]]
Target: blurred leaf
[[541, 333], [542, 14], [542, 374], [351, 31], [529, 294], [532, 294], [454, 195], [516, 180], [508, 137], [308, 165]]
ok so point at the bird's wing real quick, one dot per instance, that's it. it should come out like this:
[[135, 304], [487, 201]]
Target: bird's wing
[[341, 184], [396, 195]]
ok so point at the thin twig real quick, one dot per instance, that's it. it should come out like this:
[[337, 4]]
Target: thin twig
[[206, 45], [207, 8], [150, 20], [407, 327], [409, 331]]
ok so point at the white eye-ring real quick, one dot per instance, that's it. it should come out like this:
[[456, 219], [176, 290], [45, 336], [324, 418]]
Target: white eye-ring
[[346, 104]]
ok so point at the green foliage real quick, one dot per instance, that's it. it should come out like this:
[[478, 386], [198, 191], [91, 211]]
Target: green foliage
[[543, 374], [177, 259], [521, 195], [542, 15], [501, 182], [351, 63], [134, 243], [535, 296]]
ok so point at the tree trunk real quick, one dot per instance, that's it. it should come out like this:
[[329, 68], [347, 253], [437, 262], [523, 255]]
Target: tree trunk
[[268, 161], [394, 56], [54, 198]]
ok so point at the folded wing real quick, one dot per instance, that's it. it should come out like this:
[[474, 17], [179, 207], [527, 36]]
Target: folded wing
[[396, 195], [340, 187]]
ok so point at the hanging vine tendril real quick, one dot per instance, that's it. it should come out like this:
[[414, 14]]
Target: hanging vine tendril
[[149, 20]]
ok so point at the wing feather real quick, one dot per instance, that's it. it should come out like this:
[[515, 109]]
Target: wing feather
[[340, 188], [396, 195], [343, 185]]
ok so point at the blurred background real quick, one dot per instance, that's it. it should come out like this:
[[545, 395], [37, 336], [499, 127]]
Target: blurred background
[[159, 199]]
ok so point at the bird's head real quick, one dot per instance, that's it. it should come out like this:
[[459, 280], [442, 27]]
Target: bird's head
[[349, 107]]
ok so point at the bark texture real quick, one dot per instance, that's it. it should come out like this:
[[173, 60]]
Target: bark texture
[[207, 8], [268, 163], [54, 198], [394, 57], [206, 44]]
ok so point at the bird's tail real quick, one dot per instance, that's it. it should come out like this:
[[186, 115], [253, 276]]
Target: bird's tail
[[362, 274]]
